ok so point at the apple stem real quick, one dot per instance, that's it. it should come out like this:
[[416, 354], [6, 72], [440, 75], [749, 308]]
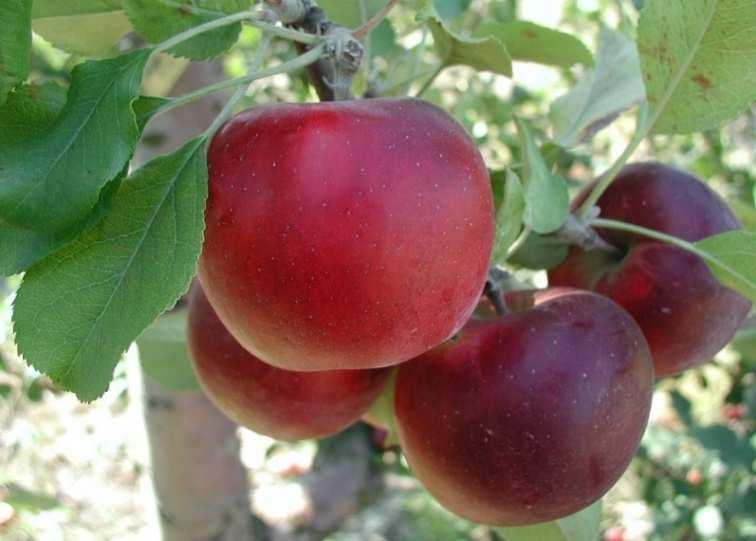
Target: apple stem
[[577, 231], [374, 21], [304, 60], [494, 289]]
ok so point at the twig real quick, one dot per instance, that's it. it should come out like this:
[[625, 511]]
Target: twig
[[366, 28]]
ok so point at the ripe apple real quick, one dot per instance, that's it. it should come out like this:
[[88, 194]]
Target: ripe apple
[[685, 313], [352, 234], [531, 416], [278, 403]]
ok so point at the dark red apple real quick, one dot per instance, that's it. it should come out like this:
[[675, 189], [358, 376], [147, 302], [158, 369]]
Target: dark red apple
[[686, 315], [278, 403], [531, 416], [352, 234]]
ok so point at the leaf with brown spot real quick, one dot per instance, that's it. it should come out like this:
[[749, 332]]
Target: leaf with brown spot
[[698, 60]]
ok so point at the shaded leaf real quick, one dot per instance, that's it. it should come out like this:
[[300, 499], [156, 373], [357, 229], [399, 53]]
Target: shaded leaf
[[450, 9], [49, 183], [540, 252], [529, 42], [26, 500], [699, 61], [15, 43], [93, 35], [29, 111], [158, 20], [482, 54], [732, 259], [547, 201], [164, 355], [64, 8], [614, 85], [381, 413], [23, 247], [509, 217], [350, 14], [582, 526], [78, 310]]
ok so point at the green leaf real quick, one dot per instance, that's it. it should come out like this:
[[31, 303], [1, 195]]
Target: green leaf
[[29, 111], [540, 252], [64, 8], [381, 413], [547, 202], [732, 258], [163, 352], [49, 183], [745, 212], [699, 61], [450, 9], [529, 42], [23, 247], [26, 500], [582, 526], [93, 36], [614, 85], [158, 20], [15, 43], [350, 14], [482, 54], [509, 217], [78, 310]]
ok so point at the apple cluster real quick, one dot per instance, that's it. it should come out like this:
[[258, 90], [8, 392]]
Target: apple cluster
[[347, 240]]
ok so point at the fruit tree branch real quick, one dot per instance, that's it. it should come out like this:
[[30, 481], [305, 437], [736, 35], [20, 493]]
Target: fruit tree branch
[[375, 20]]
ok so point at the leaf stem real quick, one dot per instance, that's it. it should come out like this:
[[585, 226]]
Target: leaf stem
[[519, 241], [429, 81], [663, 237], [374, 21], [647, 121], [200, 29], [228, 109], [301, 61]]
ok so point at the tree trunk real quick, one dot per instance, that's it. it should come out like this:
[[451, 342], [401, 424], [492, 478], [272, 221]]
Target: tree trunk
[[200, 484]]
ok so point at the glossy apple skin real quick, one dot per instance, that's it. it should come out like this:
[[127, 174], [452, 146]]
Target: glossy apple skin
[[531, 416], [282, 404], [686, 315], [345, 235]]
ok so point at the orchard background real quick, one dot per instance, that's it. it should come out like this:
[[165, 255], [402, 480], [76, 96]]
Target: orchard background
[[73, 470]]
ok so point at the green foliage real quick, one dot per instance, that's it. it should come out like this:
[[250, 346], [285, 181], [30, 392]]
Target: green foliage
[[29, 111], [450, 9], [15, 43], [78, 310], [582, 526], [509, 217], [697, 60], [614, 85], [158, 20], [51, 182], [540, 252], [734, 260], [98, 25], [529, 42], [483, 54], [547, 201], [164, 355], [381, 413]]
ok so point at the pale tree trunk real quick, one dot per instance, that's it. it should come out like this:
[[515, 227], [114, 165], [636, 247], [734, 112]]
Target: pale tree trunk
[[201, 487]]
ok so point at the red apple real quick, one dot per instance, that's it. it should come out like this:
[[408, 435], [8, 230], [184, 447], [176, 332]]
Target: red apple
[[531, 416], [686, 314], [278, 403], [352, 234]]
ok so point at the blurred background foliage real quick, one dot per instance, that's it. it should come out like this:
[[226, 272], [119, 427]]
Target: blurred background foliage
[[79, 471]]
